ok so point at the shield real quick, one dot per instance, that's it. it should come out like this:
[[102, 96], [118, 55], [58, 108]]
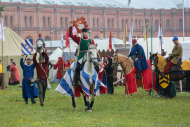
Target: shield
[[80, 23]]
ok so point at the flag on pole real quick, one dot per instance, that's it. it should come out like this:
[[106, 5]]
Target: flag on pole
[[160, 36], [144, 30], [61, 46], [124, 35], [110, 41], [131, 34], [27, 47], [67, 39], [1, 31]]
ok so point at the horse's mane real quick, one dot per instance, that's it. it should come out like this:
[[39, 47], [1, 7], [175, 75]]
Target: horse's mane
[[132, 63]]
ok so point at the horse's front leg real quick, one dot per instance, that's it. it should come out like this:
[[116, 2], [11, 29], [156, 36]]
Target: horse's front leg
[[73, 103], [150, 92], [88, 104]]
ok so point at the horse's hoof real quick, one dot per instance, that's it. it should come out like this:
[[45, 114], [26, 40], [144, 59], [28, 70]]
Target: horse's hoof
[[75, 108], [89, 110]]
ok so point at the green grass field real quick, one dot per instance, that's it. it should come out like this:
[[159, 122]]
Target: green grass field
[[116, 110]]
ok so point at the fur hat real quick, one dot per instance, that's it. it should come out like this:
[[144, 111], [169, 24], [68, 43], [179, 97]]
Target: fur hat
[[84, 30]]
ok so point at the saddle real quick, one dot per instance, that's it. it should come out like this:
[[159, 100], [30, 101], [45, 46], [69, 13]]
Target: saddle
[[176, 67]]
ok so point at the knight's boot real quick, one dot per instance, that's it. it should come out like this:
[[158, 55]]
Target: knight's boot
[[138, 76], [75, 79]]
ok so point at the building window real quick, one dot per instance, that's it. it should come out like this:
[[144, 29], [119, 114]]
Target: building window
[[96, 37], [47, 38], [122, 25], [61, 22], [112, 23], [156, 24], [43, 21], [48, 21], [97, 23], [25, 19], [11, 21], [66, 22], [139, 24], [167, 24], [180, 23], [136, 23], [30, 21], [6, 20], [108, 23], [93, 22]]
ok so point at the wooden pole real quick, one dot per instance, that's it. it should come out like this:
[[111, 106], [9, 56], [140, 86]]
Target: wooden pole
[[146, 37]]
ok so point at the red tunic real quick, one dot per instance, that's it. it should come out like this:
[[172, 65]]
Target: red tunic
[[14, 73], [77, 39], [40, 72], [59, 65]]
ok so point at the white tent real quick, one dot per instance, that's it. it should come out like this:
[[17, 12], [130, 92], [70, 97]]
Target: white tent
[[186, 50]]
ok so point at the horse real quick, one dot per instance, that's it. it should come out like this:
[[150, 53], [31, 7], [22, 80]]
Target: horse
[[159, 63], [88, 78], [127, 66]]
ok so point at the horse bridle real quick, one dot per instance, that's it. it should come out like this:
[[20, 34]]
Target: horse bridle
[[92, 59], [120, 63]]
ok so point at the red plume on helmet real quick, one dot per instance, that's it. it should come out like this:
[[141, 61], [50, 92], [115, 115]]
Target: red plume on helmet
[[39, 35]]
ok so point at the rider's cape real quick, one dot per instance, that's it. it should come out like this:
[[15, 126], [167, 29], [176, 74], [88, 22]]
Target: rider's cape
[[66, 85]]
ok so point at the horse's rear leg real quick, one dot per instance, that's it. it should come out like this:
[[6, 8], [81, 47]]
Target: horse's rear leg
[[88, 104], [150, 92], [73, 102], [93, 97], [85, 102]]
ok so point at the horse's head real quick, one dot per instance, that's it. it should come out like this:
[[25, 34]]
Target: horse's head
[[115, 60], [39, 46], [154, 59], [92, 54]]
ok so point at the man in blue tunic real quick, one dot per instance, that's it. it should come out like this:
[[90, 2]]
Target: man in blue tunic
[[29, 89], [137, 54]]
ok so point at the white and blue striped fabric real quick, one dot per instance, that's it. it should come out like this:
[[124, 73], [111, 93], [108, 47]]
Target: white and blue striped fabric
[[66, 85], [27, 47]]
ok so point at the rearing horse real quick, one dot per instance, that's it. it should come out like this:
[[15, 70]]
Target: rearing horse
[[127, 66]]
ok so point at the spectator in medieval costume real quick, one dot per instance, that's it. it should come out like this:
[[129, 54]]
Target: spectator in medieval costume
[[59, 66], [29, 89], [50, 65], [42, 70], [83, 46], [109, 72], [68, 63], [139, 58], [101, 76], [14, 76]]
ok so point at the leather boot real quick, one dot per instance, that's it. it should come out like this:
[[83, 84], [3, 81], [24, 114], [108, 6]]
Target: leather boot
[[138, 76], [75, 79]]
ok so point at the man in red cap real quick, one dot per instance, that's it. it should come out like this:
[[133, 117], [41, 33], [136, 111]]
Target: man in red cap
[[137, 54]]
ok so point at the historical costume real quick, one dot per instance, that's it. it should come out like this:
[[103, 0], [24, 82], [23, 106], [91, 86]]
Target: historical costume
[[109, 72], [50, 65], [29, 89], [83, 46], [59, 65], [42, 70], [14, 76], [175, 56], [101, 77], [137, 54]]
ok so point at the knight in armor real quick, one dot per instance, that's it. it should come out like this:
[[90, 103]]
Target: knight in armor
[[83, 48], [139, 58], [175, 57]]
